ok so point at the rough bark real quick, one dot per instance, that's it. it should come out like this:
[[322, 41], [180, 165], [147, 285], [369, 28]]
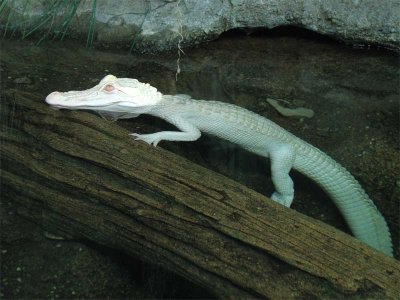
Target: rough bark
[[83, 177]]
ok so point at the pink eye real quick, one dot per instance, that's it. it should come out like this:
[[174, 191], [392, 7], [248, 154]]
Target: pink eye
[[109, 88]]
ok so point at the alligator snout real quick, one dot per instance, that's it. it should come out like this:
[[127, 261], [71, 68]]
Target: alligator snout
[[53, 98]]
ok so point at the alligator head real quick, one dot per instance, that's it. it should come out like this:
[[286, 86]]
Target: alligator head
[[112, 94]]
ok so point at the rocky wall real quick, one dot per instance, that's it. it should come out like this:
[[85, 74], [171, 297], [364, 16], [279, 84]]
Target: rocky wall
[[156, 25]]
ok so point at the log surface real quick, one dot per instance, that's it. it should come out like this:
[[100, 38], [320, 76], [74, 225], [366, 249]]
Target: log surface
[[85, 178]]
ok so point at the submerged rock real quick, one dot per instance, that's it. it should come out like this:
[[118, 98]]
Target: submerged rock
[[300, 112]]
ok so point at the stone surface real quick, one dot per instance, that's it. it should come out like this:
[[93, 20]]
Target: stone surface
[[155, 25]]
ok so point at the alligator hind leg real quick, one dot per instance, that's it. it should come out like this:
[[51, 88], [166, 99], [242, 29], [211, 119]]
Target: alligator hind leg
[[281, 162]]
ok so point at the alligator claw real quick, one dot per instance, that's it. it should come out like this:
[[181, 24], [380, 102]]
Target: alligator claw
[[151, 139], [284, 200]]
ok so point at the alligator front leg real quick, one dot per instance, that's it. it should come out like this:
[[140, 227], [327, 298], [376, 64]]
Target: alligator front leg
[[282, 160], [189, 133]]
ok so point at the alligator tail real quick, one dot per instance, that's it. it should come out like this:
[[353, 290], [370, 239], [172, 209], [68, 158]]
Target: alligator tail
[[365, 221]]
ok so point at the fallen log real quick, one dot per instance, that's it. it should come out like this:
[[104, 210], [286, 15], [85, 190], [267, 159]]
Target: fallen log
[[85, 178]]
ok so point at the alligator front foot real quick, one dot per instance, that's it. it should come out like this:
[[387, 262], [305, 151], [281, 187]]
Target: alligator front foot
[[151, 139]]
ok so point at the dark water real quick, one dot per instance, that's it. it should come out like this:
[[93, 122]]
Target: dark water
[[354, 94]]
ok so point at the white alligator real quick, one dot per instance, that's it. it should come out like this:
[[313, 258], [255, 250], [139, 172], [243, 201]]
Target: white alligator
[[128, 98]]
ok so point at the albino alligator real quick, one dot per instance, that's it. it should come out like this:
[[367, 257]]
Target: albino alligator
[[128, 98]]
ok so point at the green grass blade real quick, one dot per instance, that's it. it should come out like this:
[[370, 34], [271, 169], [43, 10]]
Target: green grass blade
[[3, 4], [141, 25], [69, 18], [89, 40]]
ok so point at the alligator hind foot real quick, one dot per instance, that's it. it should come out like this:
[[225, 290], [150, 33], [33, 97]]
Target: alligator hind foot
[[285, 200]]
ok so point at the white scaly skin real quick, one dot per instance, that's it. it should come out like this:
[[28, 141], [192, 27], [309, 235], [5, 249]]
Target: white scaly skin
[[127, 98]]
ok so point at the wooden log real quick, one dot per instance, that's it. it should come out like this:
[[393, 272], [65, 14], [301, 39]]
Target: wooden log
[[85, 178]]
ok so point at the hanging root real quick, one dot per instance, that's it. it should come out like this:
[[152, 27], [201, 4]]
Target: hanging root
[[178, 69]]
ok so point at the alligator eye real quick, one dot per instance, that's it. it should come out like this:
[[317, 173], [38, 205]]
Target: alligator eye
[[109, 88]]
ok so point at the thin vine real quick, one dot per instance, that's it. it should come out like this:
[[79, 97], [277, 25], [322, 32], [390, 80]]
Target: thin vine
[[180, 32]]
